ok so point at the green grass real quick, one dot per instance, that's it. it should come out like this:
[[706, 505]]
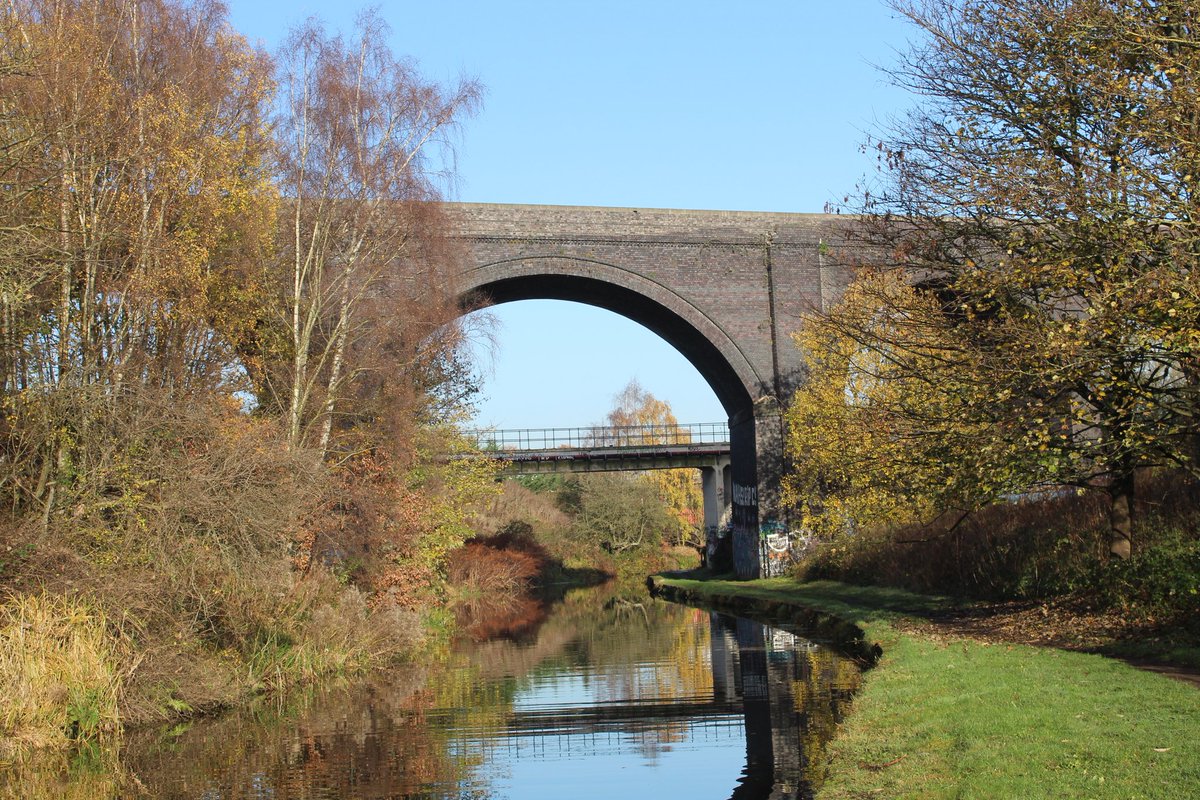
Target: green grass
[[951, 718], [859, 603]]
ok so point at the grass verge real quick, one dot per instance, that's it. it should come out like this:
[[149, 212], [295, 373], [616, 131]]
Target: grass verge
[[947, 717]]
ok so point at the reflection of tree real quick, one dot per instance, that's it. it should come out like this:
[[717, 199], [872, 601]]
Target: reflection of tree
[[404, 737], [601, 640], [511, 615], [683, 672], [95, 773], [373, 741], [691, 655]]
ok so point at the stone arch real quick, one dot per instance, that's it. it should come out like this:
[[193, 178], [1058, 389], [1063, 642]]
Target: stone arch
[[712, 350], [701, 340]]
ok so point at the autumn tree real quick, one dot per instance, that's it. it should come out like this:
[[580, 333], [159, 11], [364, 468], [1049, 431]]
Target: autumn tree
[[1043, 196], [144, 189], [135, 203], [638, 417], [877, 435], [365, 281]]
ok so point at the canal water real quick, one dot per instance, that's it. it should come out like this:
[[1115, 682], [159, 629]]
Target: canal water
[[609, 697]]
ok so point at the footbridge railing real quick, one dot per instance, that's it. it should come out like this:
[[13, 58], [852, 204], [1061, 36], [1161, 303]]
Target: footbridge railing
[[604, 449], [600, 437]]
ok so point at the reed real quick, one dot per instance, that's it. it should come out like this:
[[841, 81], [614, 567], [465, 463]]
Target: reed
[[60, 673]]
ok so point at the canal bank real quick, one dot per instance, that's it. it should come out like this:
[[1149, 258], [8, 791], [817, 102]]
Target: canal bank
[[946, 715]]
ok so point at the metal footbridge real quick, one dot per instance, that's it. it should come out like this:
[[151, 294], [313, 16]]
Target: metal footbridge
[[605, 449]]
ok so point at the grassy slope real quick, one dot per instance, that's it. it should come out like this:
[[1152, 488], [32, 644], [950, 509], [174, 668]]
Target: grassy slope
[[945, 717]]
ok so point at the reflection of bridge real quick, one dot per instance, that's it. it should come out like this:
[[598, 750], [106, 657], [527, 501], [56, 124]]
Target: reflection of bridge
[[647, 737], [702, 446], [771, 690], [626, 716]]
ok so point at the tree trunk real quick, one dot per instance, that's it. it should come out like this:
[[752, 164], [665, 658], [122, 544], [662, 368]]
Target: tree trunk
[[339, 357], [1120, 515], [64, 300]]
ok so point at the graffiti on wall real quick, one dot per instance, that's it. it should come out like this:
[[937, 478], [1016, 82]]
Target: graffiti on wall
[[775, 546], [745, 495]]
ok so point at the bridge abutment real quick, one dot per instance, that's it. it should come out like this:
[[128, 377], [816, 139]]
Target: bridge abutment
[[774, 525], [760, 525]]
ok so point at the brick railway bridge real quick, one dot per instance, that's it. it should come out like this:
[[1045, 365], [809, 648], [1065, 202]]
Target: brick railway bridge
[[725, 288]]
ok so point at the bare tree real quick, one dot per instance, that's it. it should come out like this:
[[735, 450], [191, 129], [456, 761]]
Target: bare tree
[[356, 126]]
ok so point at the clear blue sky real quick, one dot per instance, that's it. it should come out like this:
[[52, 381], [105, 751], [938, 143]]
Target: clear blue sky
[[756, 106]]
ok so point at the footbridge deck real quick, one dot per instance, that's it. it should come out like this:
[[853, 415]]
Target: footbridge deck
[[605, 449]]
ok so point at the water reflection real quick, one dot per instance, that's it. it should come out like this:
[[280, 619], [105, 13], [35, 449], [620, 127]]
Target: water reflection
[[793, 693], [610, 697]]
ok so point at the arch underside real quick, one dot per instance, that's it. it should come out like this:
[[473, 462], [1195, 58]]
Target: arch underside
[[714, 355]]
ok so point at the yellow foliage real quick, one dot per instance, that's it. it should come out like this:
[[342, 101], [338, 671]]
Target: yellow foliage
[[679, 489], [880, 433]]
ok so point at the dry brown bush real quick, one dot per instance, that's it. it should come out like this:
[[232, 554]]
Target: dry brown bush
[[505, 563], [1037, 547], [517, 503]]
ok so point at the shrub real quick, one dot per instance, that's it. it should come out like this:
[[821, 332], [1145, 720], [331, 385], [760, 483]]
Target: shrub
[[1039, 548], [1163, 580], [504, 563], [621, 513]]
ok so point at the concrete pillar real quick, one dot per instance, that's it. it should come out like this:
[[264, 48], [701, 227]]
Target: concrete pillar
[[727, 497], [716, 514], [712, 511]]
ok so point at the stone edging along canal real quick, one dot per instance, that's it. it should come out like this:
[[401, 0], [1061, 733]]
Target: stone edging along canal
[[843, 635]]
